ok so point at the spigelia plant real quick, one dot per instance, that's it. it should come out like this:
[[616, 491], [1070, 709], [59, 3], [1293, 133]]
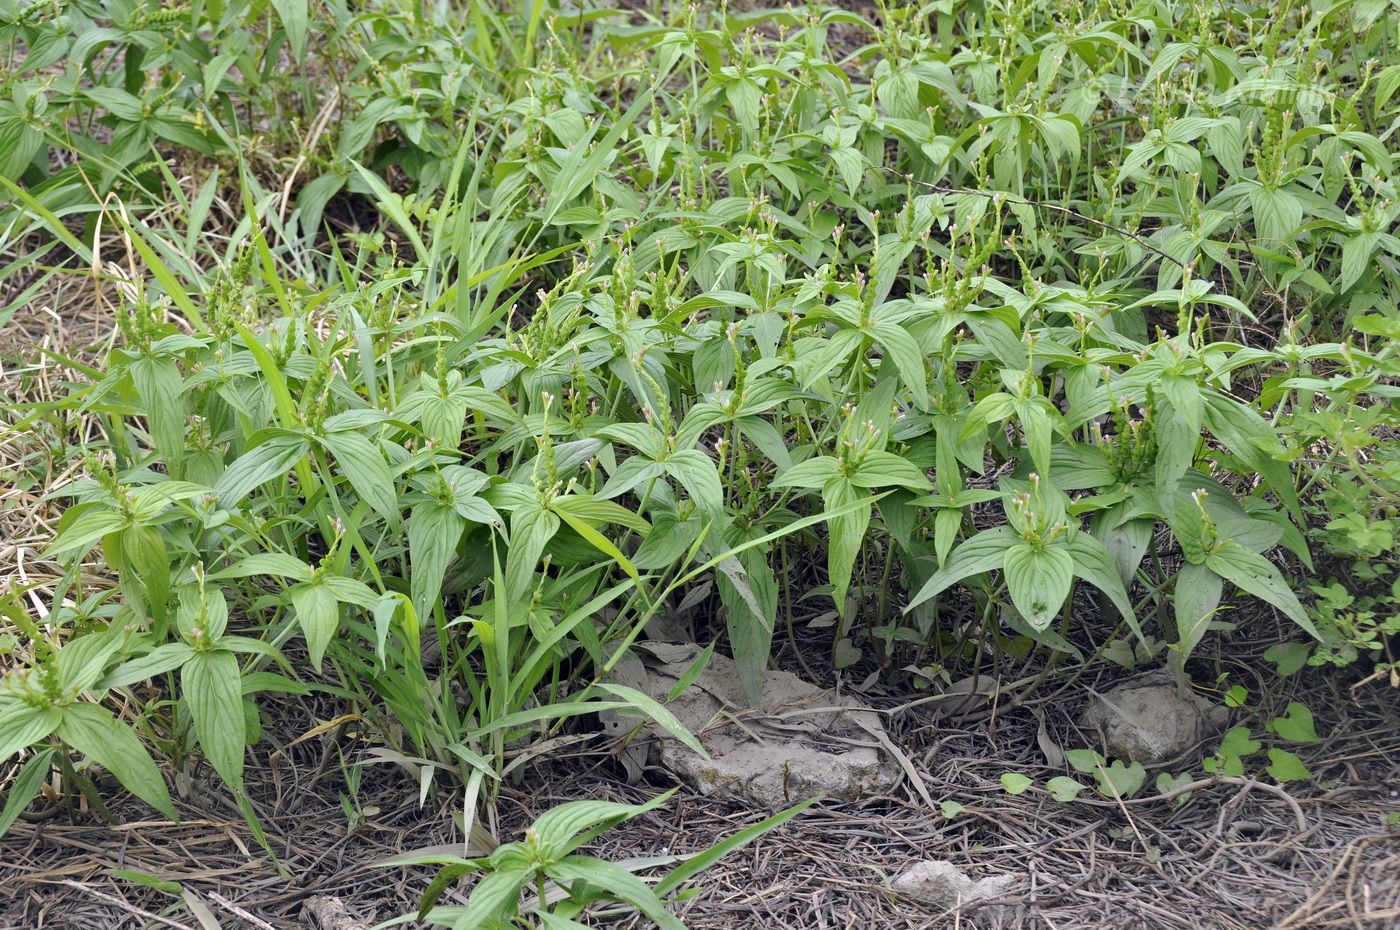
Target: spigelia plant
[[544, 881], [1023, 326]]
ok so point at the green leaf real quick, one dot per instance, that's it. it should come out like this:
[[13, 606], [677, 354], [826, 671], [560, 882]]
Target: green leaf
[[946, 523], [23, 725], [269, 460], [664, 718], [565, 827], [1195, 598], [908, 359], [1296, 726], [812, 473], [279, 564], [1277, 215], [1085, 761], [991, 409], [276, 380], [363, 465], [1236, 744], [1387, 83], [596, 510], [145, 880], [1063, 788], [82, 661], [950, 809], [257, 682], [24, 787], [846, 534], [744, 96], [318, 614], [296, 21], [1166, 782], [97, 734], [1015, 783], [1039, 581], [88, 526], [158, 661], [615, 882], [494, 900], [448, 874], [749, 592], [213, 692], [434, 530], [1255, 575], [531, 529], [697, 474], [1036, 429], [1093, 563], [1249, 438], [1356, 257], [143, 554], [885, 469], [1122, 781], [158, 383], [1284, 766], [982, 553], [1288, 658]]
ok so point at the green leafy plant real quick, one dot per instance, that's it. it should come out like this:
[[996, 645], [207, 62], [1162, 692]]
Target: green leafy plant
[[544, 881], [54, 700], [443, 371]]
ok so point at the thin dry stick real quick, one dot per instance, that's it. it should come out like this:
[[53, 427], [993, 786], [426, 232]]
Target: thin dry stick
[[318, 126], [237, 911], [124, 905], [1118, 799], [1353, 849], [1207, 783]]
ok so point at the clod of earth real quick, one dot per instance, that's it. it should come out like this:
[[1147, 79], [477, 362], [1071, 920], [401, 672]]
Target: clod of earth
[[802, 742], [1149, 722], [944, 885]]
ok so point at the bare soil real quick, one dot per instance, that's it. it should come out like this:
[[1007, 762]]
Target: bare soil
[[1231, 856]]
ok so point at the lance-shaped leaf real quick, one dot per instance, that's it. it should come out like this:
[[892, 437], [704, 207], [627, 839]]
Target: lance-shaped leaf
[[982, 553], [364, 466], [270, 459], [845, 533], [24, 725], [318, 613], [434, 530], [96, 734], [1256, 575], [1195, 599], [531, 529], [212, 689], [1039, 581], [1093, 563]]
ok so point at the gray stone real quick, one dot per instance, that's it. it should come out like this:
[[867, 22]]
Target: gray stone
[[1150, 722], [802, 742], [944, 885]]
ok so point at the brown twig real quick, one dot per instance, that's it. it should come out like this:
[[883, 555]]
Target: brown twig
[[124, 905]]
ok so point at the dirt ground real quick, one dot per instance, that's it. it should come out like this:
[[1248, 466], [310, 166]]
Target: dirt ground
[[1232, 856]]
